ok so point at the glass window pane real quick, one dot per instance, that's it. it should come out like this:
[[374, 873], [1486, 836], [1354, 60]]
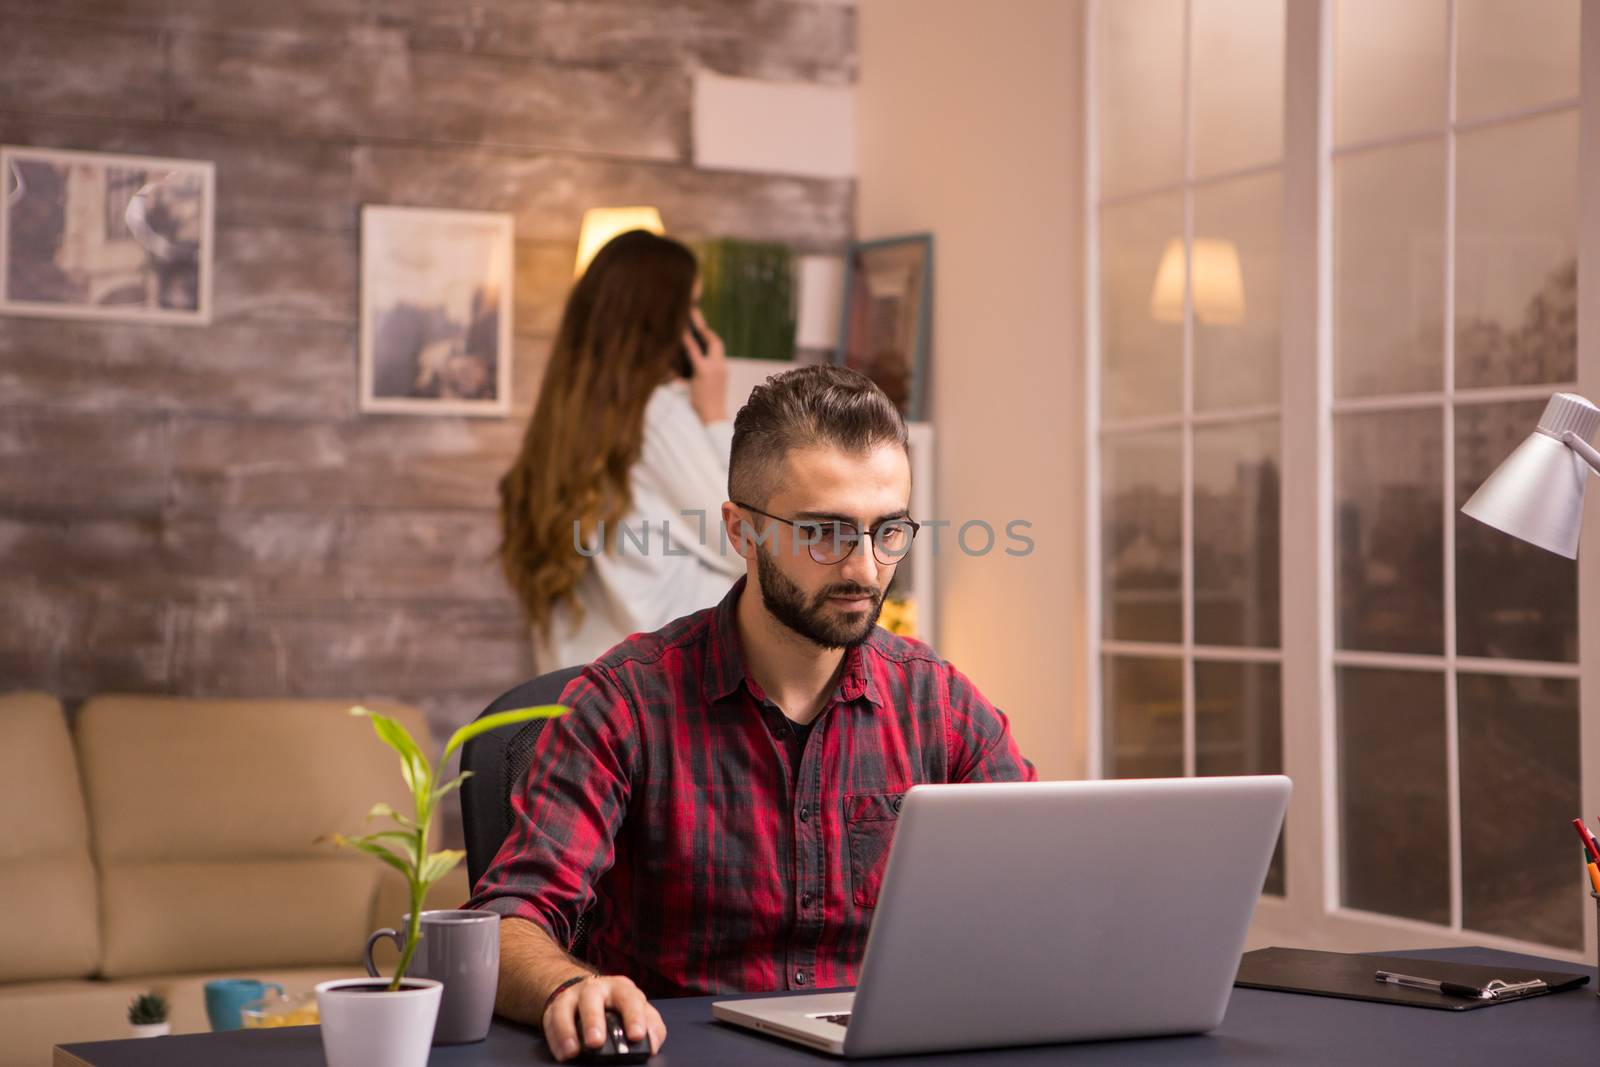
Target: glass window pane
[[1236, 534], [1144, 717], [1141, 94], [1142, 540], [1519, 793], [1389, 67], [1393, 819], [1517, 253], [1512, 56], [1237, 79], [1513, 601], [1389, 270], [1238, 729], [1237, 285], [1389, 531], [1141, 325]]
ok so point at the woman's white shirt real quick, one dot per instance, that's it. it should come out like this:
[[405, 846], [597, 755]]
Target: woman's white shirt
[[637, 585]]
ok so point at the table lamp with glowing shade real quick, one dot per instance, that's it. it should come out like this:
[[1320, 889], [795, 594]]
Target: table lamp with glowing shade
[[1218, 285], [1537, 493], [601, 224]]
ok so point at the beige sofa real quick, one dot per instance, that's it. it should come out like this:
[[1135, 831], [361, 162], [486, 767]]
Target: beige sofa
[[162, 842]]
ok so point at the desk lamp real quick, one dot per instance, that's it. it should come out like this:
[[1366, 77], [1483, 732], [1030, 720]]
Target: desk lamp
[[1537, 493]]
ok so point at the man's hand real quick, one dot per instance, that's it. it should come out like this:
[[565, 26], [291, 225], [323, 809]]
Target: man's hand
[[531, 965], [578, 1014]]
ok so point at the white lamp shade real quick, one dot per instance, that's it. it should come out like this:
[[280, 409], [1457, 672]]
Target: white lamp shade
[[601, 224], [1218, 283], [1537, 493]]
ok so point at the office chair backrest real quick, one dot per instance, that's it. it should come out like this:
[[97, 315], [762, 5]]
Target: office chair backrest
[[499, 761]]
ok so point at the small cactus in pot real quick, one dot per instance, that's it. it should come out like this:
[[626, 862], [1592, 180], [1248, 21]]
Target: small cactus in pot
[[147, 1015]]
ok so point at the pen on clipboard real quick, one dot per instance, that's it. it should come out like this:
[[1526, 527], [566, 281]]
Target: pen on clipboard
[[1495, 990], [1453, 989]]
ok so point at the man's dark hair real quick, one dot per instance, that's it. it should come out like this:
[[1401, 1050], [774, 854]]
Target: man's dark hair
[[803, 408]]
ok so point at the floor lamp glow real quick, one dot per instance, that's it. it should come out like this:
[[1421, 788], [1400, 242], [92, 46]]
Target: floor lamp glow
[[1537, 493]]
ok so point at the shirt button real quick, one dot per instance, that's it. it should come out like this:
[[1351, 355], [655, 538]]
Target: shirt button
[[805, 900], [780, 732], [805, 813], [799, 978]]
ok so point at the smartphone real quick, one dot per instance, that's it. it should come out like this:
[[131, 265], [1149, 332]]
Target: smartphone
[[685, 365]]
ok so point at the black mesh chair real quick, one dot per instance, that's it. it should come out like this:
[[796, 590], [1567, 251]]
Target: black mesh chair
[[499, 761]]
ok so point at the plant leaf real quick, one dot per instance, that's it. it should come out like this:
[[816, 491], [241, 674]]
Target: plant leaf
[[406, 838], [372, 848], [381, 809], [413, 764], [440, 864], [497, 720], [454, 783]]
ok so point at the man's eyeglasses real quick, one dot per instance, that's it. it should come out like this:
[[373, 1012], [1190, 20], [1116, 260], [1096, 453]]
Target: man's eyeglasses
[[830, 541]]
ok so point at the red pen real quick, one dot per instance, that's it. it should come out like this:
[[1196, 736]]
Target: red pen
[[1589, 843]]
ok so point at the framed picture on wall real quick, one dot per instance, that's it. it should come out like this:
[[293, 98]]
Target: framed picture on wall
[[87, 235], [885, 317], [435, 311], [910, 604]]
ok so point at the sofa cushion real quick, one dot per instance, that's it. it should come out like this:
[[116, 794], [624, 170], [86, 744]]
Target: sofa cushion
[[173, 915], [36, 1016], [205, 819], [46, 878]]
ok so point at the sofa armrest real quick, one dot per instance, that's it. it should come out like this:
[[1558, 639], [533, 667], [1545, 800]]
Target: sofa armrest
[[390, 902]]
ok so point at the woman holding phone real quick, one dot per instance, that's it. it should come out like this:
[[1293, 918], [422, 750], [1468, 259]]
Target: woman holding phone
[[627, 446]]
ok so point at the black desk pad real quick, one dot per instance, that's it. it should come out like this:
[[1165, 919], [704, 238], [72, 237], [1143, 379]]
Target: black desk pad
[[1340, 974]]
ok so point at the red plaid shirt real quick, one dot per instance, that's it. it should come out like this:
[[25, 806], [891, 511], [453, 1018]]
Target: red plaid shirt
[[665, 802]]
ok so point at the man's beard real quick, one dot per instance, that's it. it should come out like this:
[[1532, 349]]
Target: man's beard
[[819, 621]]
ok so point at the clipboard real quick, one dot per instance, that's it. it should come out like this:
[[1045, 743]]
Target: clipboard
[[1353, 977]]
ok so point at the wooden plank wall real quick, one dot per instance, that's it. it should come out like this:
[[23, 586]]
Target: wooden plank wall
[[202, 511]]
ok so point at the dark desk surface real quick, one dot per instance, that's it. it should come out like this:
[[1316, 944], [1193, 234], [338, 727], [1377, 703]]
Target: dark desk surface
[[1260, 1028]]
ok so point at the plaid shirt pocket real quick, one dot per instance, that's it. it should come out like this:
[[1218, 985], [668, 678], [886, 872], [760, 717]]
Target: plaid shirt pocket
[[870, 820]]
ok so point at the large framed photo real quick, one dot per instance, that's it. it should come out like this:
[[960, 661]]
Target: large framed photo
[[435, 311], [87, 235], [885, 317]]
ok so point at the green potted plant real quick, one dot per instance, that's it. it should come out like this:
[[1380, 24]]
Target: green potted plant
[[147, 1015], [748, 296], [367, 1023]]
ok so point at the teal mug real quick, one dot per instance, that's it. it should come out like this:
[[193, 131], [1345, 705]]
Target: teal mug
[[226, 997]]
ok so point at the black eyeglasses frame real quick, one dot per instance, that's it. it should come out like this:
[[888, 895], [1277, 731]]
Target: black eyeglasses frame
[[871, 534]]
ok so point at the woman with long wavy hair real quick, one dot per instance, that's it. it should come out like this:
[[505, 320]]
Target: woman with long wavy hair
[[630, 433]]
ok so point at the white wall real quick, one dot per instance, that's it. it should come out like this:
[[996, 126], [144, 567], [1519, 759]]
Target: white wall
[[970, 125]]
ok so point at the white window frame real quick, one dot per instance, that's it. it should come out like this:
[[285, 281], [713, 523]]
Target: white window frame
[[1310, 913]]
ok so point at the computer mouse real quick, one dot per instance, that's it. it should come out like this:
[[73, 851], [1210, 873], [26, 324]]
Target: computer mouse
[[617, 1047]]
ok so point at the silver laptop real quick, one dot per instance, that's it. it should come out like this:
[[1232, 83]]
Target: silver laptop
[[1029, 913]]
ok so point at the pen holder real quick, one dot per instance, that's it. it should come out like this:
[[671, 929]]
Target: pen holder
[[1596, 897]]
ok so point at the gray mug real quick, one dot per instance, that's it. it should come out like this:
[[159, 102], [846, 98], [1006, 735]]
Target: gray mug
[[462, 950]]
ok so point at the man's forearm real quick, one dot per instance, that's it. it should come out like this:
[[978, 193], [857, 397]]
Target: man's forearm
[[531, 966]]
